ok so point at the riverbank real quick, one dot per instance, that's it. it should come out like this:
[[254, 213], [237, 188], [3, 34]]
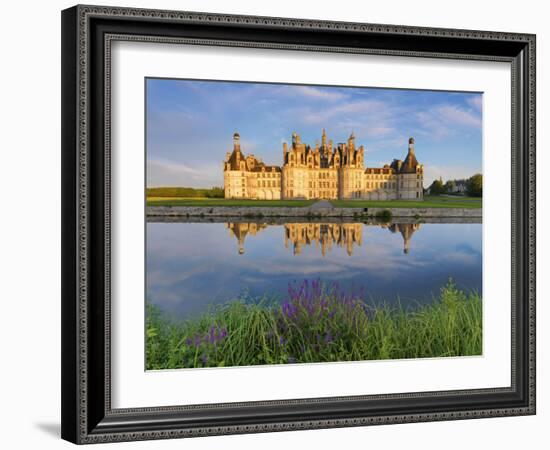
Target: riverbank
[[311, 212], [277, 220], [315, 325]]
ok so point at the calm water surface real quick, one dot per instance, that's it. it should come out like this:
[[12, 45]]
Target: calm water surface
[[191, 265]]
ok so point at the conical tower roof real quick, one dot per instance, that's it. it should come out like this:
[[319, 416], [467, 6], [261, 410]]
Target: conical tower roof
[[410, 163]]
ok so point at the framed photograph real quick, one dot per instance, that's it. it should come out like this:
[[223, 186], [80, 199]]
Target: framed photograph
[[279, 224]]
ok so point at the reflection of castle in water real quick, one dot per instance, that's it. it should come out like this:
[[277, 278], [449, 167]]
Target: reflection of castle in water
[[407, 230], [323, 235], [241, 230]]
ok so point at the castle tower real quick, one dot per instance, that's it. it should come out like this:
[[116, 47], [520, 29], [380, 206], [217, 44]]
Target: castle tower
[[351, 172], [234, 174], [411, 176]]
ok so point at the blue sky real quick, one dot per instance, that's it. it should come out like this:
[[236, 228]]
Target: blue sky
[[190, 125]]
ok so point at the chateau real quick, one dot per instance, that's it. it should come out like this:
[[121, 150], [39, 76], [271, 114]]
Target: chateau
[[323, 172]]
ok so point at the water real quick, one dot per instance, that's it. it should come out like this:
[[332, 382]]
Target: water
[[190, 265]]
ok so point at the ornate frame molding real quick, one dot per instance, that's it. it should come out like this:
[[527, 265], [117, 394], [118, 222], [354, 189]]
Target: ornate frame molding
[[86, 211]]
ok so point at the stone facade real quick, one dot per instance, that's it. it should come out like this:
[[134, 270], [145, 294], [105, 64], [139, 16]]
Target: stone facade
[[322, 172]]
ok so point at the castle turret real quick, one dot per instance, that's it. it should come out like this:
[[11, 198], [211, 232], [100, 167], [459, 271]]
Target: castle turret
[[410, 163], [233, 159]]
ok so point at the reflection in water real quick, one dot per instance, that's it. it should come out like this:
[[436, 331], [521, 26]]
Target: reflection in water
[[192, 265], [323, 235]]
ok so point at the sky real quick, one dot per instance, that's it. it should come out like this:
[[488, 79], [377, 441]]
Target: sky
[[190, 126]]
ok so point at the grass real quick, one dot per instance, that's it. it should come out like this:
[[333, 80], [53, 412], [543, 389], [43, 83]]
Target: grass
[[315, 324], [428, 202], [179, 201]]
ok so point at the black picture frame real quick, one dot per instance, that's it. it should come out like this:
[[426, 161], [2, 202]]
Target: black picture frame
[[87, 416]]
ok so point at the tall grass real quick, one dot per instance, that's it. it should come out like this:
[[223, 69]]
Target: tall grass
[[316, 324]]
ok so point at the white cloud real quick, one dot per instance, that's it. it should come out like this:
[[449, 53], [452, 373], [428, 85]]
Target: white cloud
[[308, 93], [442, 121], [456, 115], [475, 102], [314, 93]]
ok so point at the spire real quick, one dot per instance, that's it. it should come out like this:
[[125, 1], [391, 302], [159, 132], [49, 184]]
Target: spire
[[236, 156], [236, 141], [411, 145], [324, 138], [410, 163], [351, 143]]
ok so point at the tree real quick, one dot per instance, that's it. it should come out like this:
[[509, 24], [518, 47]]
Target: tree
[[474, 185], [215, 192], [437, 188], [450, 186]]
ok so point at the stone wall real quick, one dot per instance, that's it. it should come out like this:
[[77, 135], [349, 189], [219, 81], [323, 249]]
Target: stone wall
[[253, 211]]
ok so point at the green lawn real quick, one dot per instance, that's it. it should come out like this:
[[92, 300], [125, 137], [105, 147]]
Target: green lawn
[[428, 202], [175, 201]]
